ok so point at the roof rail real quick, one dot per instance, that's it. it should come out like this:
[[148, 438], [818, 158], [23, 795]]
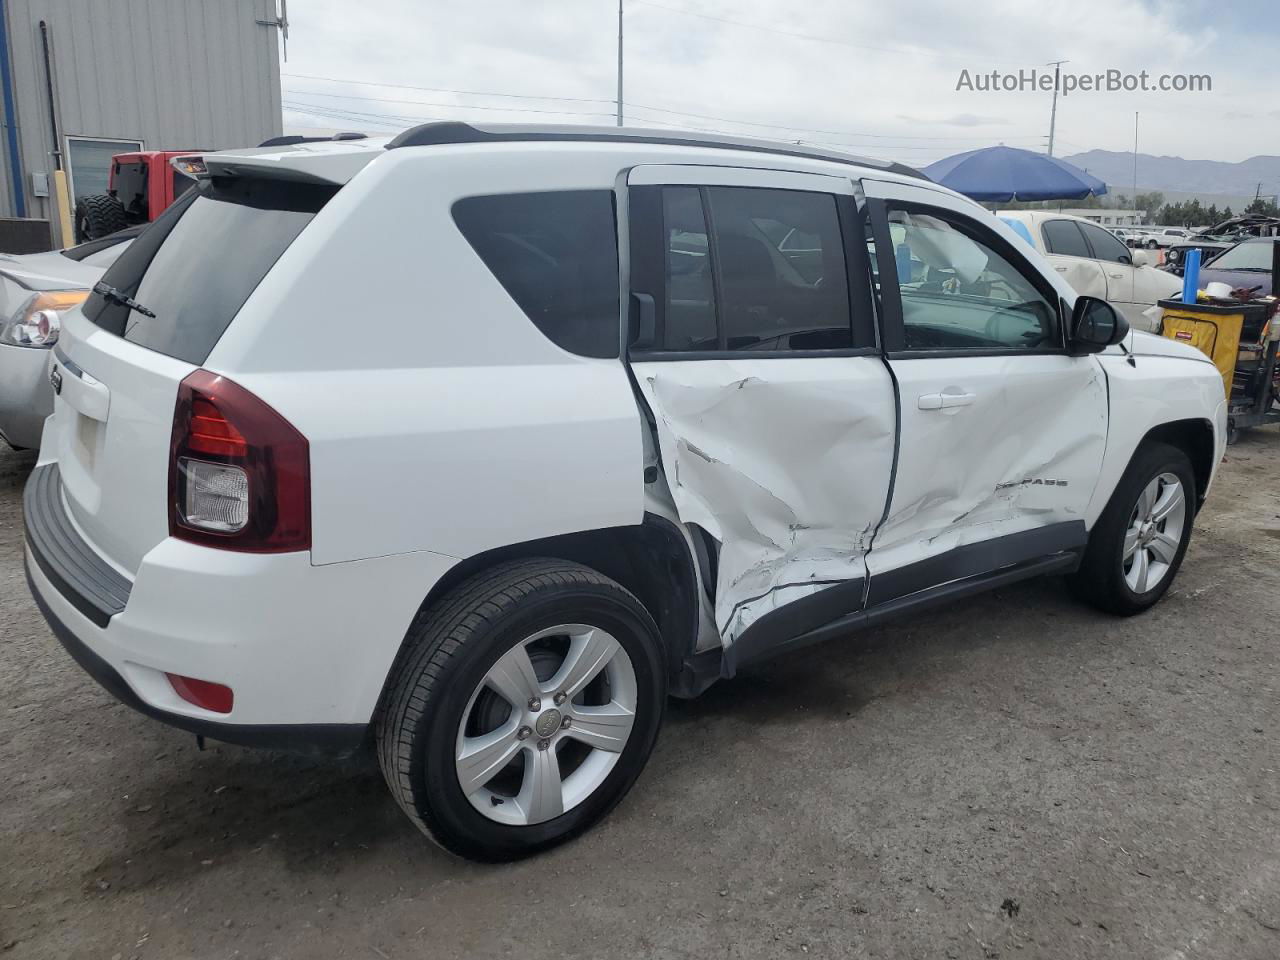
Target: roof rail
[[291, 139], [453, 131]]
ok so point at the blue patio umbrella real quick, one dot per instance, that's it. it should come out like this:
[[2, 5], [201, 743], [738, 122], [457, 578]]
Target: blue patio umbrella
[[1008, 173]]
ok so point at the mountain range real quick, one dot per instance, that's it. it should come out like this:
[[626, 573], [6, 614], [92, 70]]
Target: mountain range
[[1174, 174]]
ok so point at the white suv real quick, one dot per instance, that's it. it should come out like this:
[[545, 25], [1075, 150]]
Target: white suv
[[479, 442]]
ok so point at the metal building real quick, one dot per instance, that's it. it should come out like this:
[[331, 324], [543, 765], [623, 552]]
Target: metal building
[[117, 75]]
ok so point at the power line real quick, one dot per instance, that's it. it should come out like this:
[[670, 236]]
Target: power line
[[400, 120], [469, 93], [906, 51], [666, 110], [461, 106]]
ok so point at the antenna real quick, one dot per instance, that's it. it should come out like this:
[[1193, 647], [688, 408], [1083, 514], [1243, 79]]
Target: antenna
[[619, 62]]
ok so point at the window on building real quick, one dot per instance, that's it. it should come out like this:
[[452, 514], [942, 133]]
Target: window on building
[[89, 163]]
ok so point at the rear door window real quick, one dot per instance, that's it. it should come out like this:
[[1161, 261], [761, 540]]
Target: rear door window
[[201, 259], [744, 269], [556, 254], [1064, 238]]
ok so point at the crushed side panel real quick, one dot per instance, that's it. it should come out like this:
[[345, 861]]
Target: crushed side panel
[[786, 462]]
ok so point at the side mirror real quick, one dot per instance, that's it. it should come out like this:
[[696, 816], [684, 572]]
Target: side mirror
[[1139, 258], [1095, 325]]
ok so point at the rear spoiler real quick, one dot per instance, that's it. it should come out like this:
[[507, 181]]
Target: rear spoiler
[[304, 160]]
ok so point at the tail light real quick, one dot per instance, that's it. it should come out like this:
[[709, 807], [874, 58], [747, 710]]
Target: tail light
[[239, 473]]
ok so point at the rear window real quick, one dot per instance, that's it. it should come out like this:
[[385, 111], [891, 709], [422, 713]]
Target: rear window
[[202, 258], [556, 254]]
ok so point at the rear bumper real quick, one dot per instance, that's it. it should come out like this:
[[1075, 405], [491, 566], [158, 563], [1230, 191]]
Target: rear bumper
[[305, 649], [338, 739]]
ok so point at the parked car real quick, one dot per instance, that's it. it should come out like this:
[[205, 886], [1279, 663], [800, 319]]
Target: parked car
[[1154, 237], [1246, 265], [361, 442], [1220, 237], [1095, 263], [36, 290]]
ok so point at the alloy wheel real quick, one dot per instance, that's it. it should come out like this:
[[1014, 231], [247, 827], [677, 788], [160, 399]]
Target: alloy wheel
[[1154, 534], [547, 724]]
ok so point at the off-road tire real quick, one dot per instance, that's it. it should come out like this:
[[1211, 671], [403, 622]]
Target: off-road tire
[[98, 215], [1100, 581], [449, 648]]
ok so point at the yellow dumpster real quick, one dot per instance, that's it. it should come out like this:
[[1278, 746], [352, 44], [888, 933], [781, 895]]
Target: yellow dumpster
[[1214, 330]]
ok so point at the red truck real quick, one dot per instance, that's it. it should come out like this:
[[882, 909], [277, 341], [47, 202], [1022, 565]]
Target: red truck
[[141, 186]]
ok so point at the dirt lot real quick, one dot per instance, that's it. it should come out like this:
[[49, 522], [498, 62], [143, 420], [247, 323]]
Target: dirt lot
[[1015, 776]]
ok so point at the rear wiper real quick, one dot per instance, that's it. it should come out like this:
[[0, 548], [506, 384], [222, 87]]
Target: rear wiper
[[113, 295]]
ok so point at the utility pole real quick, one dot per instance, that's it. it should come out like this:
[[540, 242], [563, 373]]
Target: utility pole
[[619, 62], [1135, 161], [1053, 113]]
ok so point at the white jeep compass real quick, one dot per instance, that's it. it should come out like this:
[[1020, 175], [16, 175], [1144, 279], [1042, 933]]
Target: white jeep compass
[[477, 443]]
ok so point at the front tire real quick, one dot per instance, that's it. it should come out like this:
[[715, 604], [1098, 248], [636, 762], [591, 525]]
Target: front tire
[[524, 708], [1137, 545]]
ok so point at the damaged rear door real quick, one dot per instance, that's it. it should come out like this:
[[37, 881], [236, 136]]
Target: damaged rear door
[[752, 340], [1003, 430]]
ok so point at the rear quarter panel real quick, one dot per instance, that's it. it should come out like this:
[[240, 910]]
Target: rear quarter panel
[[439, 417]]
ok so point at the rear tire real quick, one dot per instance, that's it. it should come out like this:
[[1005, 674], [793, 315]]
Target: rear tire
[[458, 687], [1137, 545], [98, 215]]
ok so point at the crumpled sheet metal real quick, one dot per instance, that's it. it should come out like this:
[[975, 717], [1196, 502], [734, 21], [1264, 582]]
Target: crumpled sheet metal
[[763, 455], [1003, 488]]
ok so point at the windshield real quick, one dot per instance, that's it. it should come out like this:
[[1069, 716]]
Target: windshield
[[1246, 256], [200, 261]]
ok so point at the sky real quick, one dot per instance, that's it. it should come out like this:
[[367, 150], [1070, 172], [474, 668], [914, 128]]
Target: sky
[[867, 76]]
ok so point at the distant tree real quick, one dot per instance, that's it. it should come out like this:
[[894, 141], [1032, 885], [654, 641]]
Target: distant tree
[[1149, 203], [1227, 214], [1265, 206]]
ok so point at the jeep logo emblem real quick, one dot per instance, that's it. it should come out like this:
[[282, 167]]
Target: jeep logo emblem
[[55, 379]]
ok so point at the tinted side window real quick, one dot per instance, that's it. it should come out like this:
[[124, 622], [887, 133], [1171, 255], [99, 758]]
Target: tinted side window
[[959, 292], [690, 308], [1064, 237], [780, 261], [556, 254], [1105, 246]]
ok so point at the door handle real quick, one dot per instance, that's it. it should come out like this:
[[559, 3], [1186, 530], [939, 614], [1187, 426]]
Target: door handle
[[1116, 276], [941, 401], [1061, 269]]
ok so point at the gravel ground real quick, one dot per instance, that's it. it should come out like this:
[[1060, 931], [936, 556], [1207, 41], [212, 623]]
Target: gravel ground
[[1015, 776]]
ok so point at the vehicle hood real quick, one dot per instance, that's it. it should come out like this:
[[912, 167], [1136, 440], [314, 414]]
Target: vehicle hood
[[1144, 344], [1236, 278]]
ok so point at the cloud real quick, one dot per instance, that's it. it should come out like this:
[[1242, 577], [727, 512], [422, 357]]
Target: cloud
[[855, 74]]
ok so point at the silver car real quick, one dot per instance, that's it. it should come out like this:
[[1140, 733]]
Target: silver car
[[35, 290]]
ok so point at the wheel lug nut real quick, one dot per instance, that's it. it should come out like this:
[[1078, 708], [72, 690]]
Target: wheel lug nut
[[566, 723], [535, 703], [543, 744], [524, 733], [560, 698]]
